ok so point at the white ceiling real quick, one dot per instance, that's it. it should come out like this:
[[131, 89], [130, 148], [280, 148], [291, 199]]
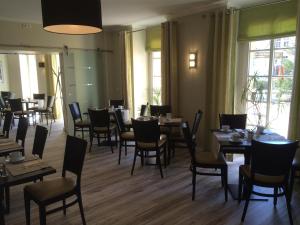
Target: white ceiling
[[123, 12]]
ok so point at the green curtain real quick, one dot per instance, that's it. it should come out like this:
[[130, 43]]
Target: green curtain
[[153, 38], [294, 122], [221, 70], [127, 70], [267, 22], [169, 67]]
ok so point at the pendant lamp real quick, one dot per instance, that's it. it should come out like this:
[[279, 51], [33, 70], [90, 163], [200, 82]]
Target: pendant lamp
[[72, 16]]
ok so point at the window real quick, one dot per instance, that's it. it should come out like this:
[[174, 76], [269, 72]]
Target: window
[[155, 77], [28, 75], [270, 83]]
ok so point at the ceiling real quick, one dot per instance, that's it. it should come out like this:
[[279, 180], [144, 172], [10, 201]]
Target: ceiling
[[124, 12]]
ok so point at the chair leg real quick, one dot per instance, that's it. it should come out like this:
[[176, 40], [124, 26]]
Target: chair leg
[[249, 190], [91, 141], [110, 143], [120, 150], [225, 172], [64, 207], [194, 182], [134, 159], [42, 215], [275, 195], [7, 199], [288, 205], [240, 187], [142, 158], [291, 186], [125, 148], [82, 133], [81, 209], [159, 162], [27, 209], [165, 156]]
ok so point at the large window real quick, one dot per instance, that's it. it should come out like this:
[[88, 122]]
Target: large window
[[28, 75], [270, 81], [155, 77]]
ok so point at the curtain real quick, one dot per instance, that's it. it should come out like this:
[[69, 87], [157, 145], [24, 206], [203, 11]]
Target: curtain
[[221, 70], [169, 69], [153, 38], [127, 70], [294, 121], [269, 21], [49, 67]]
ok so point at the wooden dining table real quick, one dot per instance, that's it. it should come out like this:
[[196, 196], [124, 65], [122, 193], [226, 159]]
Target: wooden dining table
[[242, 146], [29, 170]]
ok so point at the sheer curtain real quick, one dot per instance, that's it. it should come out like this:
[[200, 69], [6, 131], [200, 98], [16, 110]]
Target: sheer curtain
[[294, 124], [169, 68], [127, 70]]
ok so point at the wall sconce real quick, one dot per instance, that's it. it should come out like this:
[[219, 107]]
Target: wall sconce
[[192, 60]]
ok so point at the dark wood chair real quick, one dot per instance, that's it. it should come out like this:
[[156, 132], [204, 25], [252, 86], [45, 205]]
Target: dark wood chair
[[295, 173], [6, 95], [270, 167], [38, 98], [100, 125], [16, 107], [158, 110], [40, 138], [78, 122], [46, 193], [47, 111], [7, 124], [143, 109], [124, 134], [177, 139], [3, 109], [116, 102], [235, 121], [22, 131], [203, 159], [147, 141]]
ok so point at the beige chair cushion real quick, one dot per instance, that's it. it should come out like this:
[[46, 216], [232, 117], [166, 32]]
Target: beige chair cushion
[[46, 190], [209, 158], [127, 135], [104, 129], [151, 145], [259, 178], [83, 123]]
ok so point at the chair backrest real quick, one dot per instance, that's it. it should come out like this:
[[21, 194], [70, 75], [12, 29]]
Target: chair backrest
[[196, 123], [15, 104], [143, 110], [146, 131], [75, 111], [39, 96], [272, 158], [120, 120], [99, 117], [189, 140], [116, 102], [235, 121], [7, 123], [40, 138], [22, 130], [2, 103], [50, 102], [74, 156], [5, 95], [157, 110]]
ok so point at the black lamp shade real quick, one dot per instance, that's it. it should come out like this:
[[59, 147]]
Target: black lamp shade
[[72, 16]]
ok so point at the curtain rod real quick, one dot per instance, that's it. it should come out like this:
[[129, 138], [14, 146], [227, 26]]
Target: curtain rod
[[265, 4], [59, 49]]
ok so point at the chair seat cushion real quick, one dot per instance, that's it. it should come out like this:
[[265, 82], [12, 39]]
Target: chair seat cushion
[[208, 158], [152, 145], [104, 129], [82, 123], [45, 190], [127, 135], [260, 178]]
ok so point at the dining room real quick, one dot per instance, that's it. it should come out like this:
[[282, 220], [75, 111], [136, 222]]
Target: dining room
[[165, 112]]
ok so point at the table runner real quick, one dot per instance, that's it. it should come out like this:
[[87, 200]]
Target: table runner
[[26, 167]]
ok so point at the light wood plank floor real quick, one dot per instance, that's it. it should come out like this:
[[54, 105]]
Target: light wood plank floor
[[112, 196]]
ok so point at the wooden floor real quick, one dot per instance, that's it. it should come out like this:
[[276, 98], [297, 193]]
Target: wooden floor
[[112, 196]]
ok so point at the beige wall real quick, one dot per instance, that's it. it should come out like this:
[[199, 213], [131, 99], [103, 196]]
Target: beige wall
[[192, 36], [14, 75], [4, 84]]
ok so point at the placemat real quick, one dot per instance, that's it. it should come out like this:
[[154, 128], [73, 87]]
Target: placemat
[[26, 167], [9, 145]]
